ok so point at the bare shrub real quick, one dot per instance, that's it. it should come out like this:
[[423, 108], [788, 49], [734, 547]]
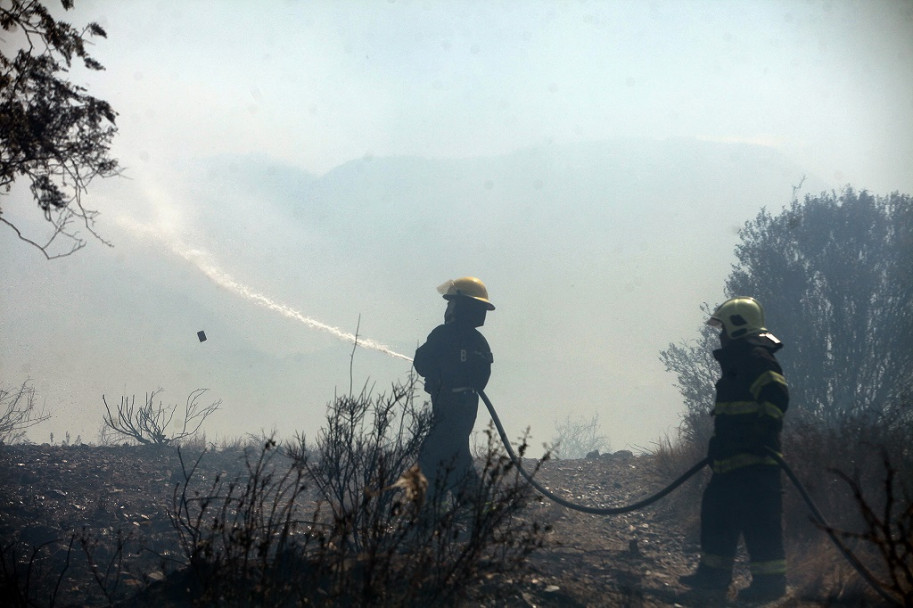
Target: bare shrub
[[237, 533], [18, 413], [345, 520], [575, 437], [148, 424], [366, 445], [54, 573], [107, 563], [25, 578]]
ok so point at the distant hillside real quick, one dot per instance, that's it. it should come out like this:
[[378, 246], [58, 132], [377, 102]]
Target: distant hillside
[[597, 255]]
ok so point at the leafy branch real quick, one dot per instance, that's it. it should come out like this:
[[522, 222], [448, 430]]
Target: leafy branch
[[52, 132]]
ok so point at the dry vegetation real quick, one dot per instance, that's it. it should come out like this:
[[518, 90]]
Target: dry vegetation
[[273, 524]]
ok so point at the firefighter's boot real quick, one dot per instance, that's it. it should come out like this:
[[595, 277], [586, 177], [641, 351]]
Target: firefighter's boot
[[707, 579], [764, 588]]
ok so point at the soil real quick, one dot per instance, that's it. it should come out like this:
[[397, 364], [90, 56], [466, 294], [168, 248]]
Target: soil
[[77, 501]]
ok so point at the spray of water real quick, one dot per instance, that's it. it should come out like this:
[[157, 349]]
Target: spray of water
[[202, 261]]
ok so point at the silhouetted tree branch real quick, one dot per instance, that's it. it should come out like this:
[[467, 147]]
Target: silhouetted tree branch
[[52, 132]]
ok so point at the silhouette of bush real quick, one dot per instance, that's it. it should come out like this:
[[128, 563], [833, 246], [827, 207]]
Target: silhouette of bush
[[25, 580], [347, 519], [148, 424], [59, 570]]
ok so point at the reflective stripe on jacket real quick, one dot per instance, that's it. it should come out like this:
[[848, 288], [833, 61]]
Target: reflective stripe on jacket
[[751, 398]]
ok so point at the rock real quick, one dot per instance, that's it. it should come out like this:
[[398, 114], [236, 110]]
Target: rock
[[622, 455]]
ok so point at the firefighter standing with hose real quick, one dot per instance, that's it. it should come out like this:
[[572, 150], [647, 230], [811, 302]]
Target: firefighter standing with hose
[[455, 362], [744, 495]]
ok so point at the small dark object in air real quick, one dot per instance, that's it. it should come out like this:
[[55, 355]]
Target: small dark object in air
[[201, 335]]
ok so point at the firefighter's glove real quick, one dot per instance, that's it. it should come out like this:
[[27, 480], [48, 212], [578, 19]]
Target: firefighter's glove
[[432, 387]]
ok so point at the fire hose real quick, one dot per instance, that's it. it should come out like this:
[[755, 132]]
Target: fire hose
[[571, 505], [817, 517]]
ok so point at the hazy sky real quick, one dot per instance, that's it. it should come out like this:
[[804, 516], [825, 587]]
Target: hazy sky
[[320, 83], [315, 85]]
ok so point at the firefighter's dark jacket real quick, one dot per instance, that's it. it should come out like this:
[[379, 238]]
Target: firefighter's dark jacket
[[751, 399], [454, 357]]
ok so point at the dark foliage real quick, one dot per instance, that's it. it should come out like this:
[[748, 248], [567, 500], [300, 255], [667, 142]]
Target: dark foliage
[[833, 273], [835, 276]]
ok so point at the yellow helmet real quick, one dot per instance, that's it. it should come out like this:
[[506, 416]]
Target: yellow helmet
[[468, 287], [739, 317]]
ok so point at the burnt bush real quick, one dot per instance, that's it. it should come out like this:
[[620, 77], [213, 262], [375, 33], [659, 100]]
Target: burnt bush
[[346, 519], [148, 424], [80, 568]]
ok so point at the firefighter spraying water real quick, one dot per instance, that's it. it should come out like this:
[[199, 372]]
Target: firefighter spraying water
[[455, 362]]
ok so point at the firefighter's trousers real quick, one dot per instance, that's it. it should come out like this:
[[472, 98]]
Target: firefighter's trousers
[[746, 502], [445, 458]]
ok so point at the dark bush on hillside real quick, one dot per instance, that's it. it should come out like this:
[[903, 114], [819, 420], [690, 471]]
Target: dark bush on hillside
[[834, 277], [52, 572], [345, 520]]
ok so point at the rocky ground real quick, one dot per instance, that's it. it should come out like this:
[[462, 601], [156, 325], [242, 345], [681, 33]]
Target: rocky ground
[[111, 504]]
